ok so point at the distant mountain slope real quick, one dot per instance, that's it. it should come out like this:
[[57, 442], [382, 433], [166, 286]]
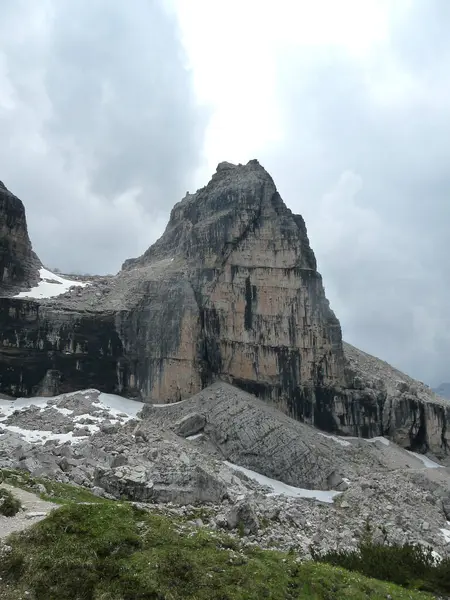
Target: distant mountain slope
[[443, 390]]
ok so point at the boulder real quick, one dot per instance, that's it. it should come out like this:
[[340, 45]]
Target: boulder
[[190, 424], [242, 516]]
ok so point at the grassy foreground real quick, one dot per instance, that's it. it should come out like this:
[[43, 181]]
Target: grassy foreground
[[114, 551]]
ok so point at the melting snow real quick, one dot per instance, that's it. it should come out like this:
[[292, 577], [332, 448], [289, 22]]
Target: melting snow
[[194, 437], [50, 285], [119, 409], [64, 411], [380, 439], [170, 403], [430, 464], [34, 436], [340, 440], [91, 427], [280, 488], [117, 405], [446, 534]]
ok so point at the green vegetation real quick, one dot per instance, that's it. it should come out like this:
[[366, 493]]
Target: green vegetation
[[411, 566], [107, 550], [46, 489], [114, 551], [9, 505]]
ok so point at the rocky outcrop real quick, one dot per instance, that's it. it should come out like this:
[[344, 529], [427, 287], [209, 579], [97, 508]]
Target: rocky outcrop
[[246, 431], [18, 263], [381, 400]]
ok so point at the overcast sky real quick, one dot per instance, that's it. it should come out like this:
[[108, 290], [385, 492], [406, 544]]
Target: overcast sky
[[110, 111]]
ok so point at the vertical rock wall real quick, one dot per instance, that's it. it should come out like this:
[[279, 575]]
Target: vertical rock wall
[[18, 263]]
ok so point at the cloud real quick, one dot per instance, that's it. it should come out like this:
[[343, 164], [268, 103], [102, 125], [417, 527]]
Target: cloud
[[99, 124], [365, 160]]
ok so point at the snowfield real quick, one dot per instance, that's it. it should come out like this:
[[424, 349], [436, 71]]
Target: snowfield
[[107, 407], [282, 489], [50, 285]]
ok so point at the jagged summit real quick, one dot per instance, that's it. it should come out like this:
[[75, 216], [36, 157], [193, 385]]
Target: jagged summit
[[238, 200], [18, 263]]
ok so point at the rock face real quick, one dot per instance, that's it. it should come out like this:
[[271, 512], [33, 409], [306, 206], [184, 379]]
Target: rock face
[[229, 292], [18, 263], [248, 432], [380, 400]]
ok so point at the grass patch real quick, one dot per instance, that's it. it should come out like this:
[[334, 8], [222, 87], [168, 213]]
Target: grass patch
[[9, 505], [114, 551], [411, 566], [201, 512], [59, 493]]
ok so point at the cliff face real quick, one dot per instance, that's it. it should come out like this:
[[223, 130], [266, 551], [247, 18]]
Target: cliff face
[[381, 400], [264, 322], [18, 263], [231, 292]]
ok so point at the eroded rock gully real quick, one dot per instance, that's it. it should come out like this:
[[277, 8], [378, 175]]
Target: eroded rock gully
[[229, 292]]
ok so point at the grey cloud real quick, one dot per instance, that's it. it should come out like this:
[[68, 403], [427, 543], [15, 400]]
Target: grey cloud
[[381, 244], [104, 129]]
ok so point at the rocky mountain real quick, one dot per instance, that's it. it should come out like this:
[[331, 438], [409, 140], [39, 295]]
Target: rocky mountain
[[18, 263], [230, 292]]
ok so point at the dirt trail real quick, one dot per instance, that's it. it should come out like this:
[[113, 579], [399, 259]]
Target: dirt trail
[[34, 510]]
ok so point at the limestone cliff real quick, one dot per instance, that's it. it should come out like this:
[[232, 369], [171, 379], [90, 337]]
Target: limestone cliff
[[231, 292], [264, 322], [381, 400], [18, 263]]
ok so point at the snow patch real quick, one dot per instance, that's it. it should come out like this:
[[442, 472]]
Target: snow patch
[[91, 427], [340, 440], [88, 416], [429, 464], [194, 437], [118, 409], [8, 407], [169, 404], [377, 438], [380, 439], [35, 436], [282, 489], [50, 285], [116, 405], [64, 411], [446, 534]]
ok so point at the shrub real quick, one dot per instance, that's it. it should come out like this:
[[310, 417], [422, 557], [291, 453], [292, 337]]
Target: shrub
[[114, 551], [408, 565], [9, 504]]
